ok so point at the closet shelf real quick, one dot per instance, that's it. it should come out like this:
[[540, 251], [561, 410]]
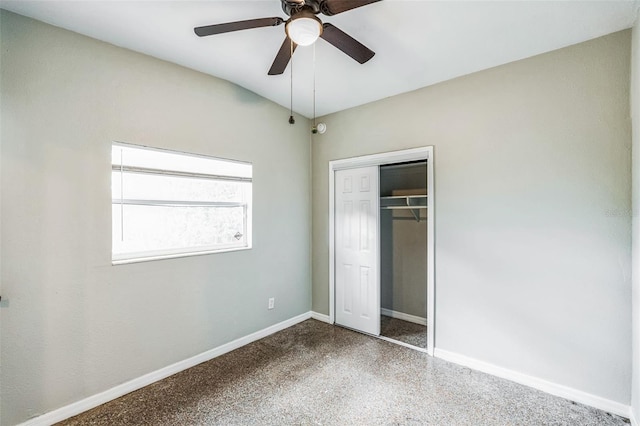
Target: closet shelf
[[393, 197], [414, 203], [403, 207], [404, 202]]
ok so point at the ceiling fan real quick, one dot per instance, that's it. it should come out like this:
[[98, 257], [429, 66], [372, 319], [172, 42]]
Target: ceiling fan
[[302, 28]]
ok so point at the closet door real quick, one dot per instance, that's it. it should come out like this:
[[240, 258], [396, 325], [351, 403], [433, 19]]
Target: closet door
[[357, 249]]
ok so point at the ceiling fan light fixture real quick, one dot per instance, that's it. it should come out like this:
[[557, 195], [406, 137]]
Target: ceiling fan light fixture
[[304, 30]]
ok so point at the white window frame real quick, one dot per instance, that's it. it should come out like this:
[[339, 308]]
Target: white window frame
[[149, 255]]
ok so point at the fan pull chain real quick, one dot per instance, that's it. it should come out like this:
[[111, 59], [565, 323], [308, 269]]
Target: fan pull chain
[[314, 85], [291, 119]]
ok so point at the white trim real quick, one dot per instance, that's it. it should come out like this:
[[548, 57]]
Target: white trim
[[383, 158], [147, 258], [177, 152], [142, 381], [321, 317], [537, 383], [377, 160], [431, 254], [332, 246], [632, 417], [404, 317]]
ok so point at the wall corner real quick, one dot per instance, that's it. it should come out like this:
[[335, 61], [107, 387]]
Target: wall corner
[[635, 197]]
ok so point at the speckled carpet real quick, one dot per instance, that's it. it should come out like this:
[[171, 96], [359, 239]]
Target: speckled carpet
[[403, 331], [317, 374]]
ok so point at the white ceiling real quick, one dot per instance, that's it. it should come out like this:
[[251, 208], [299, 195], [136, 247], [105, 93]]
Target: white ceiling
[[417, 43]]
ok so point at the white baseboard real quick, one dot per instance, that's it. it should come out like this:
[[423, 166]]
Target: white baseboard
[[320, 317], [140, 382], [402, 316], [93, 401], [537, 383]]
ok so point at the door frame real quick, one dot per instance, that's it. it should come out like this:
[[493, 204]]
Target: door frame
[[414, 154]]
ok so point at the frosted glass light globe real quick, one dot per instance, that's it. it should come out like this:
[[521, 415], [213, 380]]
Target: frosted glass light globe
[[304, 31]]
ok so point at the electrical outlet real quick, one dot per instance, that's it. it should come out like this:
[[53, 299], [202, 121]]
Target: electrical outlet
[[272, 302]]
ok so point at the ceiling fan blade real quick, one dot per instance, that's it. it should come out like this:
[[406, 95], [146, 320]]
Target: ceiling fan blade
[[237, 26], [333, 7], [282, 58], [346, 43]]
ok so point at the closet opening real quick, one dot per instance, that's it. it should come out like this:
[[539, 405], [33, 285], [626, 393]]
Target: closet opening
[[403, 252], [381, 244]]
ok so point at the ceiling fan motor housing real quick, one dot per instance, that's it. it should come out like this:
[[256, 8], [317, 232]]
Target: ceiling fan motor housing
[[292, 7]]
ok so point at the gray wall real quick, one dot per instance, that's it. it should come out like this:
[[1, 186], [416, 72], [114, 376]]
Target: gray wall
[[72, 325], [635, 114], [532, 186]]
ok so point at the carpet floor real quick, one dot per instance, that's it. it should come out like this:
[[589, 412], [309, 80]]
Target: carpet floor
[[318, 374], [403, 331]]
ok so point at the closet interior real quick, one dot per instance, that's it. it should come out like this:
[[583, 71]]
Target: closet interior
[[403, 252]]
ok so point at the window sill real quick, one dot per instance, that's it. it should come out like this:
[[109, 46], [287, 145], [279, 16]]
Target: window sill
[[174, 256]]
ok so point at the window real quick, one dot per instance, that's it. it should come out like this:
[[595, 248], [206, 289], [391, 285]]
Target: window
[[170, 204]]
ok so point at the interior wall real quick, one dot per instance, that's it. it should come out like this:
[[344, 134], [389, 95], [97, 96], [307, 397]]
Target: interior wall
[[403, 248], [635, 118], [73, 325], [532, 190]]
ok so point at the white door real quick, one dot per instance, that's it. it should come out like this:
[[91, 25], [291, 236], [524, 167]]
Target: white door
[[357, 249]]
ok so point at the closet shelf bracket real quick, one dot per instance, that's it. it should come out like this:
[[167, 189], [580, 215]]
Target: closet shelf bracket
[[416, 214]]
